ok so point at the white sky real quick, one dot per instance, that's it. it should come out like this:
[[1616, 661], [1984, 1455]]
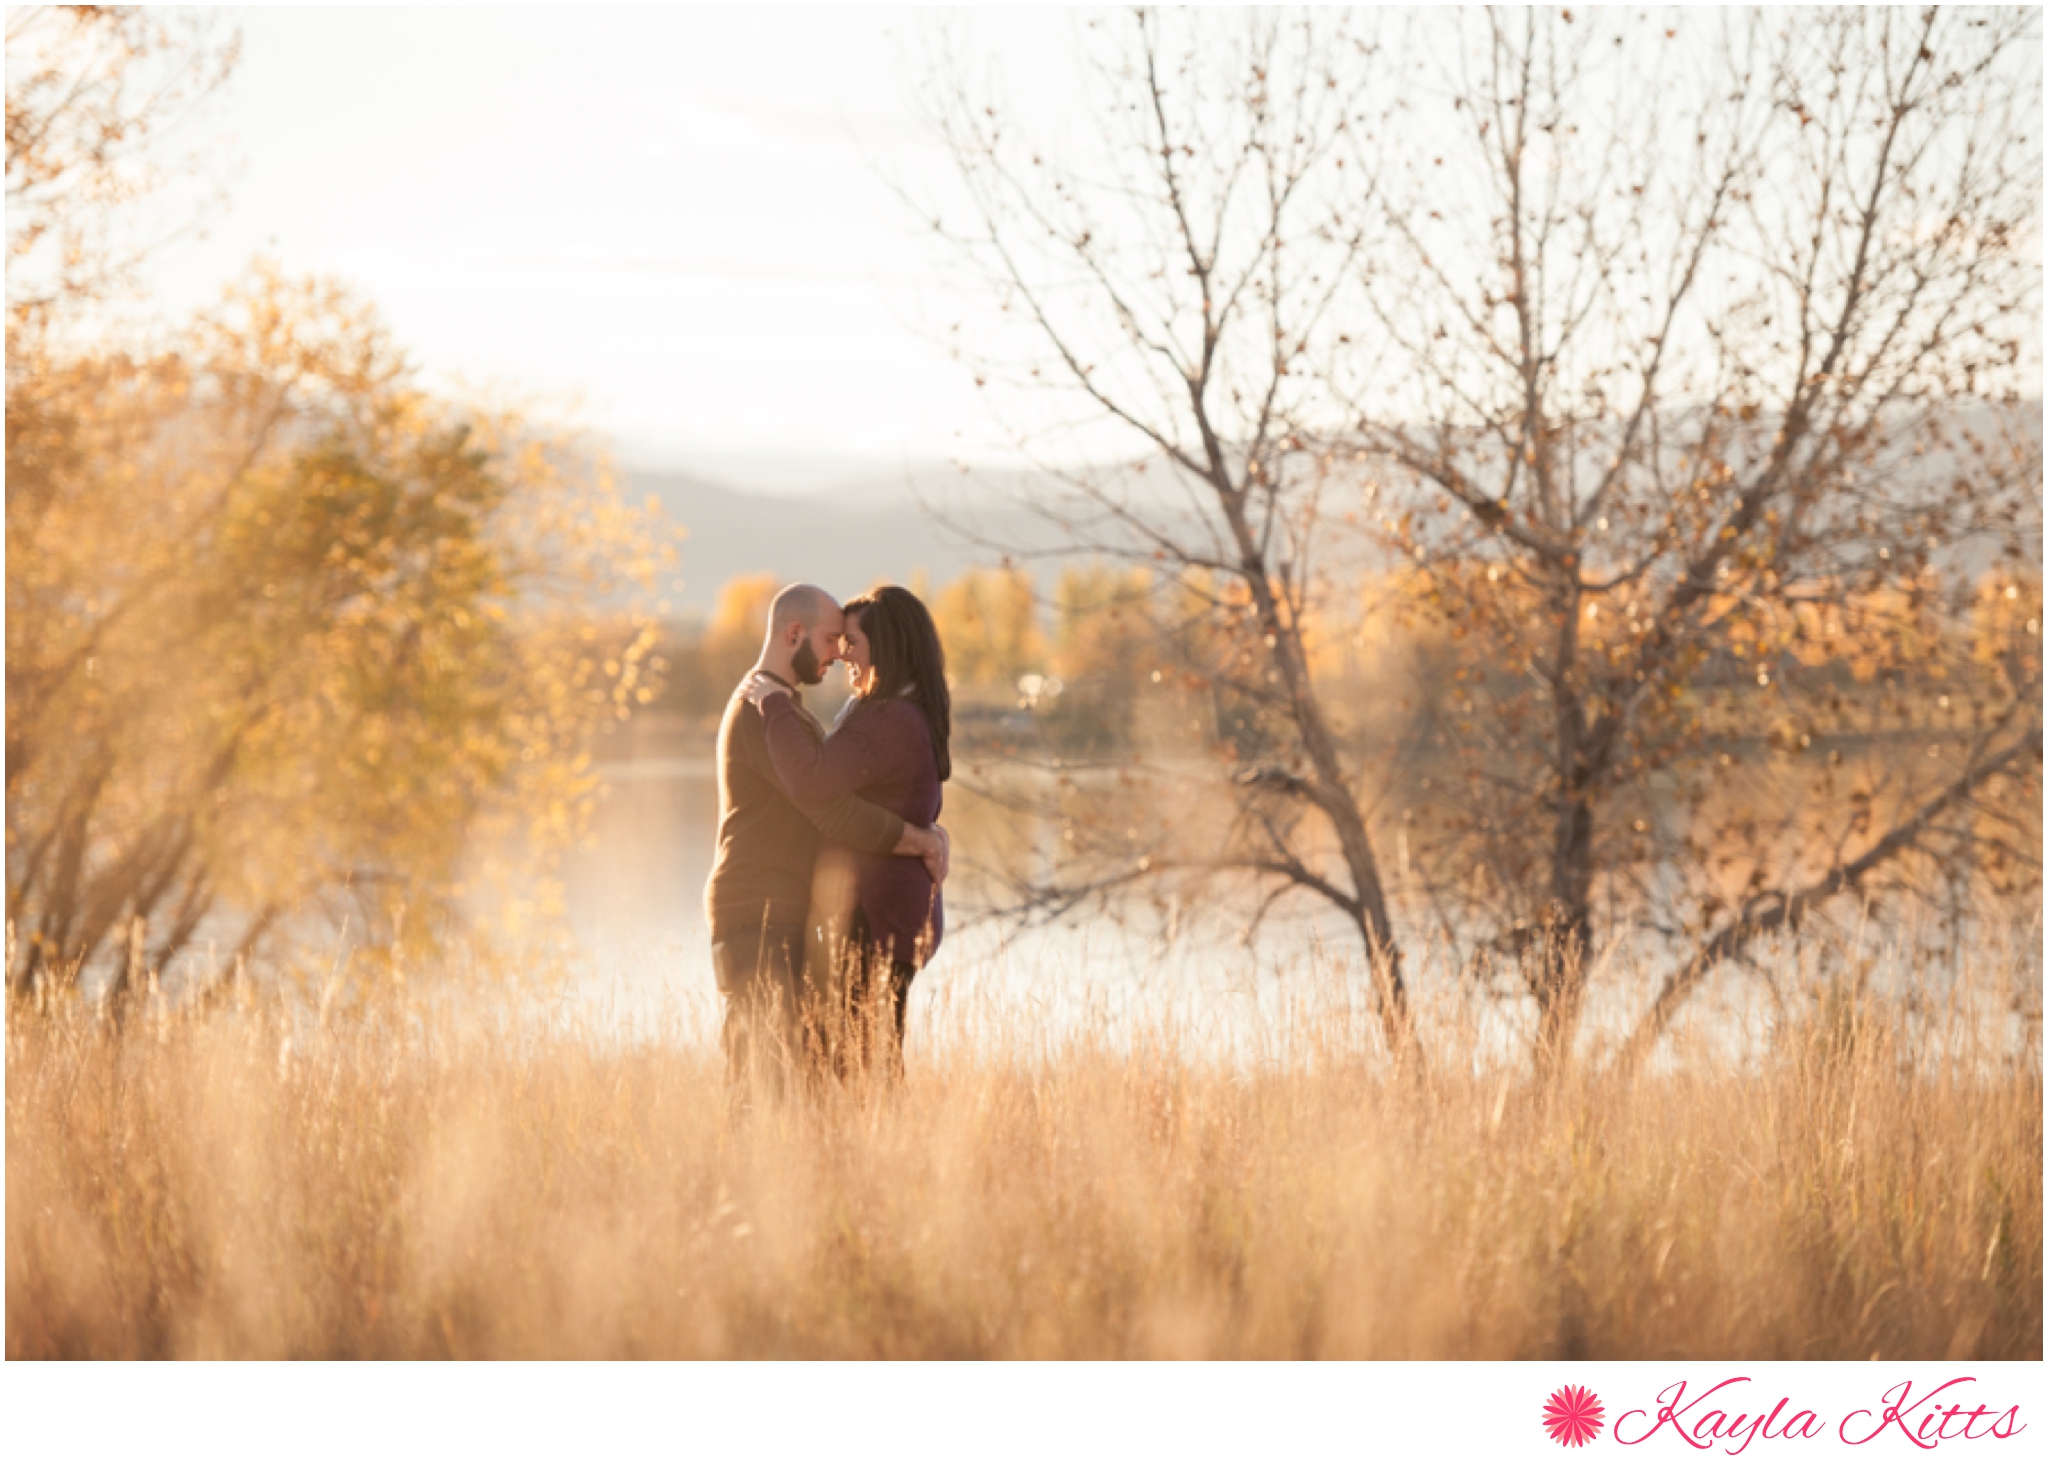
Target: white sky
[[676, 215], [674, 219]]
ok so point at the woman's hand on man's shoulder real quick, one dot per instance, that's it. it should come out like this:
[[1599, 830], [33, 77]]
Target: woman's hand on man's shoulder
[[759, 687]]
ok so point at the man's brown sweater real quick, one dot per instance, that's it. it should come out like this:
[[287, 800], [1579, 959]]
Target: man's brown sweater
[[767, 842]]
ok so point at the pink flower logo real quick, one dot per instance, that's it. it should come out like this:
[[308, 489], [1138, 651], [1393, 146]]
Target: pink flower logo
[[1572, 1416]]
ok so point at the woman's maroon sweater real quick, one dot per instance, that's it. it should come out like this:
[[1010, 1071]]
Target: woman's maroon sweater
[[882, 751]]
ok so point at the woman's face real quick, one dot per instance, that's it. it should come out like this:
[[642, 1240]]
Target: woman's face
[[853, 647]]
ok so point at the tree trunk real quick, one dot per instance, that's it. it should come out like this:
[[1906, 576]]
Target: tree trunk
[[1333, 791]]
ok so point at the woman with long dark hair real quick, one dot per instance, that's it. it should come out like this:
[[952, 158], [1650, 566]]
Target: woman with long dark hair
[[889, 747]]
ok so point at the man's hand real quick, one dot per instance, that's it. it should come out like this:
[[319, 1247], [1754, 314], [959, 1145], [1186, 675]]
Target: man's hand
[[759, 687], [934, 847]]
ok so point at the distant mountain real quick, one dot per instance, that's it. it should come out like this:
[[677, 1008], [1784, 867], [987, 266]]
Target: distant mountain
[[931, 519], [875, 527], [879, 526], [844, 540]]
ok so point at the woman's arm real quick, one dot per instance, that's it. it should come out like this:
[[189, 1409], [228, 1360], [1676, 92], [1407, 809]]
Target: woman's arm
[[858, 824], [861, 753]]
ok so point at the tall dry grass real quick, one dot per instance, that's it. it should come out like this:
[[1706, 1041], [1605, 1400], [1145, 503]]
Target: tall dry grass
[[411, 1180]]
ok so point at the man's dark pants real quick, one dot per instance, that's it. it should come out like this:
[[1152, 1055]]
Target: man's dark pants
[[761, 977]]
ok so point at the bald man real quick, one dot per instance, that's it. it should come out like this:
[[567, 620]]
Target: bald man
[[759, 894]]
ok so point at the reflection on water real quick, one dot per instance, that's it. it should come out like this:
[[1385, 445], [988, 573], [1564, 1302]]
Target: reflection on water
[[641, 884], [636, 910]]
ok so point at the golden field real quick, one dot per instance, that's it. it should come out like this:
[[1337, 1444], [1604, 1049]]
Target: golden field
[[399, 1180]]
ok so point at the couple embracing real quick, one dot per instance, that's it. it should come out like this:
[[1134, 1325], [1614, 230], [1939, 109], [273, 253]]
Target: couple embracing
[[824, 894]]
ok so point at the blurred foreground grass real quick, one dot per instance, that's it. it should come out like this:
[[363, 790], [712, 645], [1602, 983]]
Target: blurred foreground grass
[[452, 1178]]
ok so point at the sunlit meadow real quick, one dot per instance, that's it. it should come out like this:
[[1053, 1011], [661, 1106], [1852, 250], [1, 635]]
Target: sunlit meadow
[[420, 1174]]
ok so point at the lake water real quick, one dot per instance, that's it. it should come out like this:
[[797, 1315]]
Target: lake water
[[635, 900]]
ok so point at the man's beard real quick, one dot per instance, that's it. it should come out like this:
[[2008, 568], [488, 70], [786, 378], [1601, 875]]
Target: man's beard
[[805, 664]]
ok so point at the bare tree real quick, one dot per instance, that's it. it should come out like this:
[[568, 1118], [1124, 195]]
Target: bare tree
[[1681, 361], [1173, 283], [1690, 347]]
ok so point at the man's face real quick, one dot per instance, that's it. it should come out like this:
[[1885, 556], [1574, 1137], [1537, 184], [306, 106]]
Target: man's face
[[819, 648]]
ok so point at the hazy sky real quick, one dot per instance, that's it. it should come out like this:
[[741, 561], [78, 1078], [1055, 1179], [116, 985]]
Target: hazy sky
[[675, 213], [677, 218]]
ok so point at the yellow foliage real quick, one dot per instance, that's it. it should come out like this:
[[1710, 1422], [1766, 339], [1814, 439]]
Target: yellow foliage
[[2005, 617], [739, 622], [1100, 617], [287, 634], [989, 619]]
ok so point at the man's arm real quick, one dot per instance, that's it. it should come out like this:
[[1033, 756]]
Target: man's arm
[[872, 830], [856, 824], [934, 847]]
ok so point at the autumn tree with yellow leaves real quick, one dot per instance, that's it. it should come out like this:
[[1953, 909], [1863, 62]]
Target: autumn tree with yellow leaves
[[289, 638]]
